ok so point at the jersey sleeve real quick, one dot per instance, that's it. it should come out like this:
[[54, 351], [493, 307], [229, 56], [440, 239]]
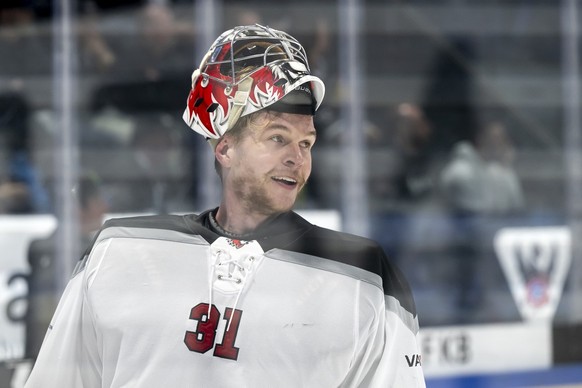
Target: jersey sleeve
[[388, 354], [388, 351], [400, 357], [63, 360]]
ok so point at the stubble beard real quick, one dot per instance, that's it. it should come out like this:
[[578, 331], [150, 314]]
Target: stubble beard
[[255, 197]]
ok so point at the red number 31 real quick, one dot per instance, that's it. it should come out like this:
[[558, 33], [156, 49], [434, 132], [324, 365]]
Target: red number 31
[[202, 340]]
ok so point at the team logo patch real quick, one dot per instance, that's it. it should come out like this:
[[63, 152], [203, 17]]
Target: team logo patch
[[238, 244], [535, 262]]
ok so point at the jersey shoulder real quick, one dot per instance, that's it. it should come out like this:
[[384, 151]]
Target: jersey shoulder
[[168, 222], [151, 226], [358, 251]]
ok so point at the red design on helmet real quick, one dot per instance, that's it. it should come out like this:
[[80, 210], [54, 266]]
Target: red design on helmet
[[265, 92], [245, 70]]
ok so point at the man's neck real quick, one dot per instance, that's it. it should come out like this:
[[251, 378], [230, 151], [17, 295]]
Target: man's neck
[[238, 221]]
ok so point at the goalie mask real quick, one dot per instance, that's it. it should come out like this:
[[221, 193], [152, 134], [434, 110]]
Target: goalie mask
[[247, 69]]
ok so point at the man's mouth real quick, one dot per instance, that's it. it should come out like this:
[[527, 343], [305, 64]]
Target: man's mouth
[[285, 180]]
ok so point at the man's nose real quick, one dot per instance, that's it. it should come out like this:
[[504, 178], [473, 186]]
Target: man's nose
[[294, 155]]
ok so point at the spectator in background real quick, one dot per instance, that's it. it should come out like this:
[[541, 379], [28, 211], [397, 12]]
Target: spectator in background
[[14, 198], [96, 54], [43, 292], [404, 182], [413, 134], [497, 149], [157, 31], [149, 63], [478, 182], [162, 47], [479, 178], [21, 189], [449, 98], [410, 178], [25, 53]]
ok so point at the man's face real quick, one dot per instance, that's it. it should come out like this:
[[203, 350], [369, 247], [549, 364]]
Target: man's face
[[271, 162]]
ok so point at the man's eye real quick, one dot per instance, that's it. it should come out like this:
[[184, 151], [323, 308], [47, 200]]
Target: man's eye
[[277, 138], [306, 144]]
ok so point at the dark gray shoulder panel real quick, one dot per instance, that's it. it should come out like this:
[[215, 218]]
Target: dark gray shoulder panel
[[326, 265]]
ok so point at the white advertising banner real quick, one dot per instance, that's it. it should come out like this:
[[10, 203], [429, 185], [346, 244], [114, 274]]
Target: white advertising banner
[[16, 233], [469, 350]]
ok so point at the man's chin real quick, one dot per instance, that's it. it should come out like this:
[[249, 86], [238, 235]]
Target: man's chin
[[272, 203], [279, 207], [282, 208]]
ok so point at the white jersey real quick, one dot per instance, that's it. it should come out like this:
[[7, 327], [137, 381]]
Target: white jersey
[[165, 301]]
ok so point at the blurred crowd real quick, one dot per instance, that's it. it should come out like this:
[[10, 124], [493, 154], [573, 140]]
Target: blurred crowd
[[135, 67]]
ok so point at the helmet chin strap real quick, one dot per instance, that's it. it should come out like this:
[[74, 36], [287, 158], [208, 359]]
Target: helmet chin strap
[[239, 102]]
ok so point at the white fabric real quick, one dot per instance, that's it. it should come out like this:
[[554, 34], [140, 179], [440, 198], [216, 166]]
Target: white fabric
[[123, 322]]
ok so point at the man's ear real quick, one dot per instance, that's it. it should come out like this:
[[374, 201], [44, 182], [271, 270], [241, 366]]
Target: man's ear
[[221, 152]]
